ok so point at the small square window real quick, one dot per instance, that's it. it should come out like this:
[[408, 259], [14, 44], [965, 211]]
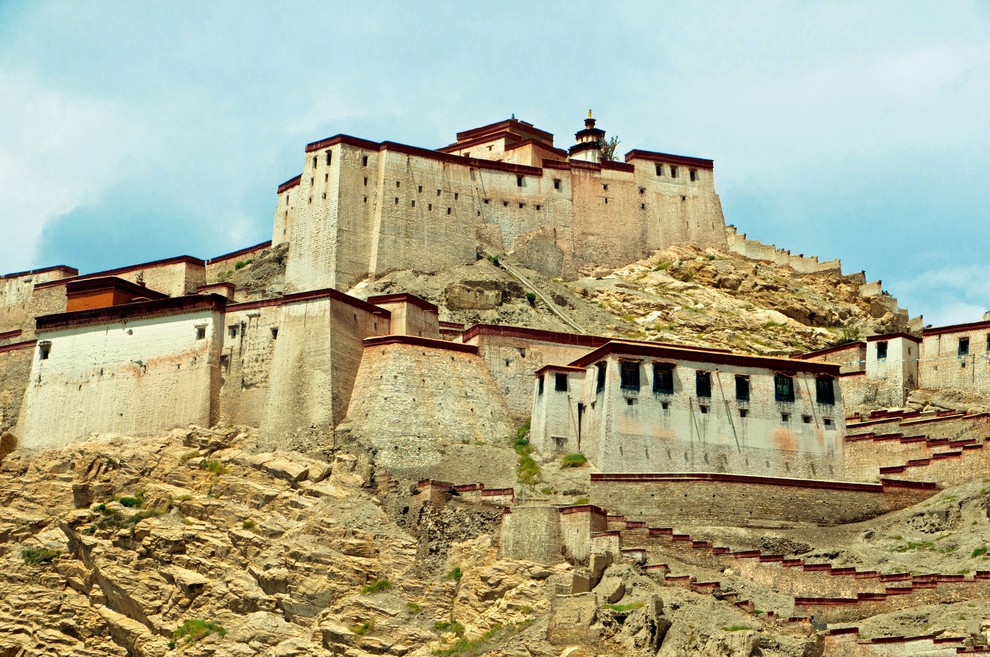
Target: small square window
[[605, 187], [785, 417], [44, 349], [703, 408], [232, 331], [642, 206], [522, 205], [659, 169], [560, 382], [743, 412], [806, 419], [274, 332], [200, 332], [882, 350], [556, 183], [630, 401], [486, 201], [505, 204], [365, 199], [398, 183], [539, 207], [642, 190], [828, 423], [665, 405]]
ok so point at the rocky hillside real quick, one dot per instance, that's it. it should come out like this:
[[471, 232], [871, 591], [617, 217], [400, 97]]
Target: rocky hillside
[[683, 295]]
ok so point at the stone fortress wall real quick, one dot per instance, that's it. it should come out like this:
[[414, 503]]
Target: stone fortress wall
[[363, 208]]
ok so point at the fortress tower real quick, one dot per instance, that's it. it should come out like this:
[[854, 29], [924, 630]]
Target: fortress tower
[[589, 142]]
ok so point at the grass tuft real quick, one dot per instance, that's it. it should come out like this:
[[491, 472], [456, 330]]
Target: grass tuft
[[377, 586], [195, 629], [36, 556], [573, 461]]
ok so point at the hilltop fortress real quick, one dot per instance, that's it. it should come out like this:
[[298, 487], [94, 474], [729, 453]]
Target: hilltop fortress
[[153, 346], [361, 208]]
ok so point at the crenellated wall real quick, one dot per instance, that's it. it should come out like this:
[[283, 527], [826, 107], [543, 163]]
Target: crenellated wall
[[739, 243]]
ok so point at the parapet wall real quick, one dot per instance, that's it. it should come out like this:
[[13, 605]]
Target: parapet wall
[[739, 243], [739, 500]]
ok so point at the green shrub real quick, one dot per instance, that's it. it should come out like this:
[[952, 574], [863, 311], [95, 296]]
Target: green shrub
[[195, 629], [660, 266], [449, 626], [250, 525], [131, 502], [35, 556], [735, 628], [632, 606], [376, 586], [241, 264], [979, 552], [456, 574], [413, 608], [216, 467], [582, 500], [573, 461], [531, 298], [365, 627]]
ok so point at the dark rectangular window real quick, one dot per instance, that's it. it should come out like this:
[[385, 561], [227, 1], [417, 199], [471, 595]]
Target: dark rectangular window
[[540, 385], [200, 332], [44, 349], [364, 161], [694, 174], [673, 171], [556, 183], [882, 350], [519, 181], [630, 375], [825, 390], [783, 387], [742, 388], [659, 169], [963, 346], [988, 342], [703, 383], [601, 376], [560, 382], [663, 378], [329, 157]]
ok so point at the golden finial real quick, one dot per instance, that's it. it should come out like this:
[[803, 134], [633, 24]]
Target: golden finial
[[589, 114]]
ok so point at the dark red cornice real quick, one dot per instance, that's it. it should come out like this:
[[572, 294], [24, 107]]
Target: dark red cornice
[[78, 286], [698, 355], [239, 252], [539, 144], [6, 335], [506, 124], [956, 328], [667, 158], [484, 139], [71, 271], [132, 311], [576, 339], [415, 340], [753, 479], [403, 297], [189, 260], [830, 350], [27, 344], [891, 336], [558, 368], [297, 297], [289, 184]]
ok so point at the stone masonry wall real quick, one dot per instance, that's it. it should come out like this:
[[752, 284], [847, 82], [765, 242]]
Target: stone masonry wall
[[15, 371], [416, 402], [941, 365], [739, 243], [135, 377], [695, 499], [246, 361]]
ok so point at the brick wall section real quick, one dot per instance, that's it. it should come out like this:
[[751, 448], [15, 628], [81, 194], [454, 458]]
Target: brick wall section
[[737, 500], [246, 362], [15, 371], [531, 533], [739, 243], [16, 291], [941, 365]]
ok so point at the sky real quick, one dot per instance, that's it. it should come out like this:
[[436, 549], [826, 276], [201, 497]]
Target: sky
[[132, 131]]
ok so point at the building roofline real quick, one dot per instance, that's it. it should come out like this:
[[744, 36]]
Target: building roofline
[[539, 144], [403, 297], [668, 158], [123, 270], [386, 146], [239, 252], [289, 184], [620, 347], [43, 270], [309, 295], [13, 333], [417, 341], [75, 286], [558, 368], [756, 479], [830, 350], [132, 311], [522, 126], [956, 328], [576, 339], [482, 139], [891, 336]]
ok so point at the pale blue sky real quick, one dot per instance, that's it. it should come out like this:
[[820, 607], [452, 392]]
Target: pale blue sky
[[858, 130]]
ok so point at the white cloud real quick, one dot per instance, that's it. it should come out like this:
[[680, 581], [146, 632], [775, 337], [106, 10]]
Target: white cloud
[[56, 153], [950, 295]]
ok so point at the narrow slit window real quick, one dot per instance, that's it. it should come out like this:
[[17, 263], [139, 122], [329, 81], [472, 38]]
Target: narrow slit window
[[539, 385], [364, 161], [693, 174], [742, 388], [600, 374], [519, 181], [673, 171], [659, 169]]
